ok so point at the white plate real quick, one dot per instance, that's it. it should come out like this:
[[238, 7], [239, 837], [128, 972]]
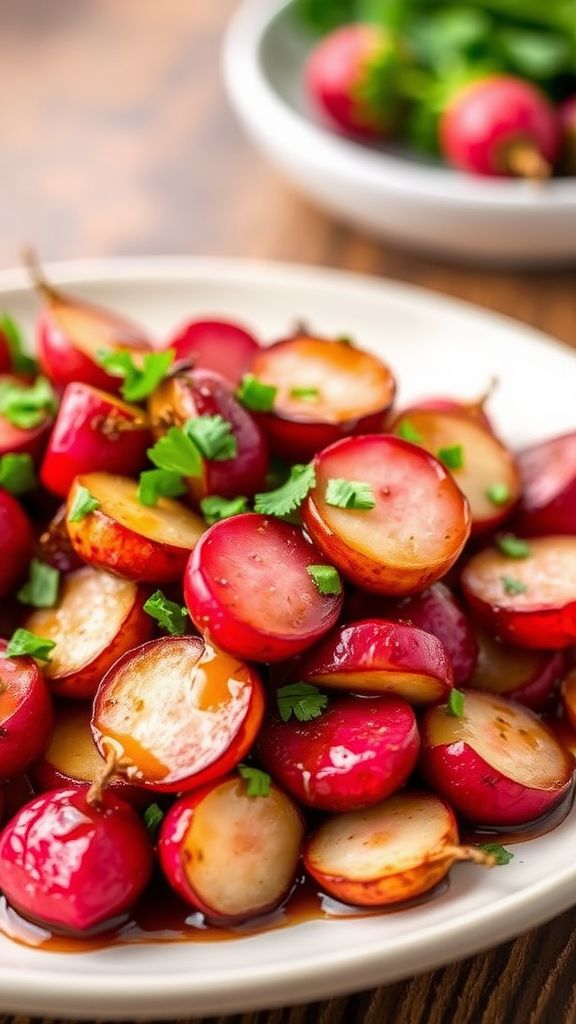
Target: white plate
[[419, 204], [436, 345]]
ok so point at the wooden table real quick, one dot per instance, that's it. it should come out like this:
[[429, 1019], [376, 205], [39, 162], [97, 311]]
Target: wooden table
[[117, 140]]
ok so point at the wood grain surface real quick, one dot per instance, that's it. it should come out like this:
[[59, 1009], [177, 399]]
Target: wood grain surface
[[117, 139]]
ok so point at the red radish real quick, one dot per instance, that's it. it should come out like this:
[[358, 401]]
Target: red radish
[[386, 854], [26, 716], [356, 754], [375, 656], [130, 539], [415, 532], [230, 855], [436, 611], [178, 713], [248, 589], [193, 393], [528, 677], [93, 431], [530, 602], [218, 345], [497, 764], [483, 468], [342, 73], [569, 696], [72, 866], [326, 390], [20, 440], [97, 618], [567, 115], [53, 545], [474, 410], [548, 472], [16, 542]]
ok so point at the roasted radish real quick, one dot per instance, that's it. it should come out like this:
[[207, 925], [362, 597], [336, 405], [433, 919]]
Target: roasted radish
[[548, 472], [529, 677], [16, 542], [569, 696], [218, 345], [26, 716]]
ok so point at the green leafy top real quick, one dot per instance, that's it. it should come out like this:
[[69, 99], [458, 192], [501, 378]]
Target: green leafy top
[[501, 855], [27, 406], [139, 381], [287, 498]]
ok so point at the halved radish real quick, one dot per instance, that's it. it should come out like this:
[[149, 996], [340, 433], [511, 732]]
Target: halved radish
[[326, 390], [218, 345], [247, 587], [54, 547], [564, 731], [483, 468], [526, 676], [375, 656], [230, 855], [97, 618], [26, 715], [16, 542], [125, 537], [20, 440], [386, 854], [177, 713], [415, 532], [474, 409], [548, 472], [497, 764], [569, 696], [528, 601], [356, 754], [93, 431]]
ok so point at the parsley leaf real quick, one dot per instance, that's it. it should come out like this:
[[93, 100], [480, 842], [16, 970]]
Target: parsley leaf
[[289, 496], [175, 451], [255, 395], [83, 504], [139, 381], [501, 855], [22, 642], [17, 473], [408, 432], [153, 818], [513, 546], [213, 436], [455, 706], [452, 457], [159, 483], [171, 616], [257, 782], [349, 494], [21, 362], [41, 590], [215, 508], [326, 578], [24, 406], [302, 700], [498, 494], [305, 394], [513, 586]]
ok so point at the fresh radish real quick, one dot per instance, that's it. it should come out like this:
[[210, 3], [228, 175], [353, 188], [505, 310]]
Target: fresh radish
[[16, 542], [218, 345], [128, 538], [528, 601], [325, 390], [501, 125], [24, 440], [177, 713], [26, 716], [375, 656], [548, 472], [529, 677], [53, 546], [96, 619], [417, 528], [248, 588], [567, 116], [72, 866], [93, 431], [496, 762], [230, 855]]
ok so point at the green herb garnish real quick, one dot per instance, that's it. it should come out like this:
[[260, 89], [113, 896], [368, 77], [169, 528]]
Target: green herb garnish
[[24, 643], [326, 578], [452, 457], [153, 818], [177, 453], [84, 503], [139, 381], [41, 590], [513, 586], [498, 494], [17, 473], [159, 483], [255, 395], [353, 494], [257, 781], [172, 617], [215, 508], [26, 407], [513, 547], [287, 498], [455, 706], [305, 394], [501, 855], [302, 700], [407, 431], [213, 436], [21, 362]]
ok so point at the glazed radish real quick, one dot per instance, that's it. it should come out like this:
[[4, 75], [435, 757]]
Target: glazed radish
[[248, 589], [530, 602], [375, 656], [415, 532], [97, 618], [529, 677], [53, 545], [436, 611], [567, 116], [20, 440], [71, 866], [130, 539], [474, 409], [16, 542], [192, 393], [483, 468], [93, 431], [218, 345], [501, 125], [564, 732], [326, 390], [548, 472], [497, 764], [230, 855], [26, 716], [569, 696], [356, 754], [177, 713]]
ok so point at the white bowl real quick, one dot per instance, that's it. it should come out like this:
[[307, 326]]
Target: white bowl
[[418, 204]]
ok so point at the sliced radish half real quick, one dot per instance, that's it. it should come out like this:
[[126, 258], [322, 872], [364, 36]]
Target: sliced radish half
[[548, 472], [526, 676]]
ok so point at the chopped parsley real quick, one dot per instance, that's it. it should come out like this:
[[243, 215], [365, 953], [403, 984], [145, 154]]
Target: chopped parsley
[[353, 494], [452, 457], [214, 508], [302, 700], [498, 494], [41, 590], [501, 855], [455, 706], [169, 615], [17, 473], [255, 395], [26, 406], [257, 782], [513, 547], [213, 436], [407, 431], [287, 498], [83, 504], [139, 381], [159, 483], [326, 578], [22, 642], [513, 586]]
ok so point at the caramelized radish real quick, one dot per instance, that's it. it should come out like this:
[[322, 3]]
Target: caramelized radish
[[177, 713], [97, 618], [192, 393], [548, 472], [486, 463], [569, 696], [26, 716], [564, 732], [529, 677], [375, 656], [326, 390], [218, 345], [415, 532], [356, 754], [16, 542], [386, 854], [530, 601], [498, 764], [20, 440], [93, 431], [125, 537], [72, 866], [248, 589], [229, 855], [54, 547]]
